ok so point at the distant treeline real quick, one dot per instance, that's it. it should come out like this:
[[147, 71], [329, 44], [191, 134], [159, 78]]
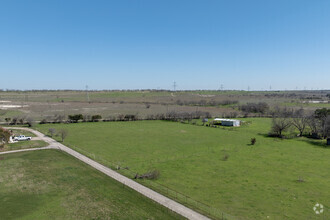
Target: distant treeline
[[170, 116]]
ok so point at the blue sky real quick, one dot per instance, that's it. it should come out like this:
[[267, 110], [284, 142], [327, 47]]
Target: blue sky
[[148, 44]]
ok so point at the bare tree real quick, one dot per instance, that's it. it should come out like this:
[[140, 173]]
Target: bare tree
[[21, 120], [52, 131], [313, 124], [279, 125], [14, 120], [324, 127], [322, 115], [63, 133], [30, 122], [300, 121], [328, 130], [281, 120]]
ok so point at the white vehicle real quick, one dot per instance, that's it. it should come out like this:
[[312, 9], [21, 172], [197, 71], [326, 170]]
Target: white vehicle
[[22, 138]]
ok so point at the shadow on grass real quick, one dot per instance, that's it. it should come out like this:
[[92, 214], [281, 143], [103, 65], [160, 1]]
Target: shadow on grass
[[318, 143], [284, 137]]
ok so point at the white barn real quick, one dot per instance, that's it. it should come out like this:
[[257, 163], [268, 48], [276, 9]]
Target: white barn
[[227, 122]]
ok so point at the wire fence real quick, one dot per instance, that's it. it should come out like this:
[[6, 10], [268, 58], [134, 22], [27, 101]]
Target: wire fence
[[186, 200]]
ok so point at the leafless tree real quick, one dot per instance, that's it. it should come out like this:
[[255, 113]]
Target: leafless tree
[[22, 120], [63, 133], [326, 127], [281, 121], [14, 120], [300, 121], [313, 124], [279, 125], [30, 122], [52, 131]]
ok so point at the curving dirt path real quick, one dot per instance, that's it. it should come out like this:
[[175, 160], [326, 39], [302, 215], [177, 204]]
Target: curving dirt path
[[169, 203]]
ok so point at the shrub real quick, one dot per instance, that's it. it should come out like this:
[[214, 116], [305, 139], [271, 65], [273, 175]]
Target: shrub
[[43, 121], [253, 141], [225, 157], [75, 118], [96, 118], [130, 117], [300, 179], [151, 175]]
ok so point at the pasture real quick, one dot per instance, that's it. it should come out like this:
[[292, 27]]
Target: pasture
[[24, 145], [39, 105], [275, 178], [52, 185]]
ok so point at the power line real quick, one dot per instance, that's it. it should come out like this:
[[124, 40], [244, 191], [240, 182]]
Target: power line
[[174, 86], [87, 95]]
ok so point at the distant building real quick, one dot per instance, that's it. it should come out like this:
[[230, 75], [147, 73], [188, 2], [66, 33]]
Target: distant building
[[227, 122]]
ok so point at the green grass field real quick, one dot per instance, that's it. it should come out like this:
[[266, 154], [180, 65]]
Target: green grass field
[[253, 183], [18, 132], [52, 185], [24, 145]]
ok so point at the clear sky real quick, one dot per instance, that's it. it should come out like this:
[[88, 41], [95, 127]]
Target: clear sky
[[149, 44]]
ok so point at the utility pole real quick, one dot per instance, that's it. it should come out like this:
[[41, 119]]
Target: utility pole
[[174, 86], [249, 88], [221, 87], [87, 95], [270, 88]]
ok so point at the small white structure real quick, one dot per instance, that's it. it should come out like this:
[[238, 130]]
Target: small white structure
[[227, 122]]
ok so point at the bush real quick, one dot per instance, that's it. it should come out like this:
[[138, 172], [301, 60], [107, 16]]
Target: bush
[[151, 175], [253, 141], [225, 157], [75, 118], [43, 121], [96, 118]]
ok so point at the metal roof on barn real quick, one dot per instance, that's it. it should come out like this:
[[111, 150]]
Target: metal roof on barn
[[224, 119]]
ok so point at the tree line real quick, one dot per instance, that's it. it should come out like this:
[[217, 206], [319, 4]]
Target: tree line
[[315, 125]]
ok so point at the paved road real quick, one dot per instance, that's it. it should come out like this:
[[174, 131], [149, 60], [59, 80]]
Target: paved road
[[169, 203]]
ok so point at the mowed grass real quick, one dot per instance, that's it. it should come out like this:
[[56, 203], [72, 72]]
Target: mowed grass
[[17, 132], [24, 145], [50, 184], [255, 182]]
